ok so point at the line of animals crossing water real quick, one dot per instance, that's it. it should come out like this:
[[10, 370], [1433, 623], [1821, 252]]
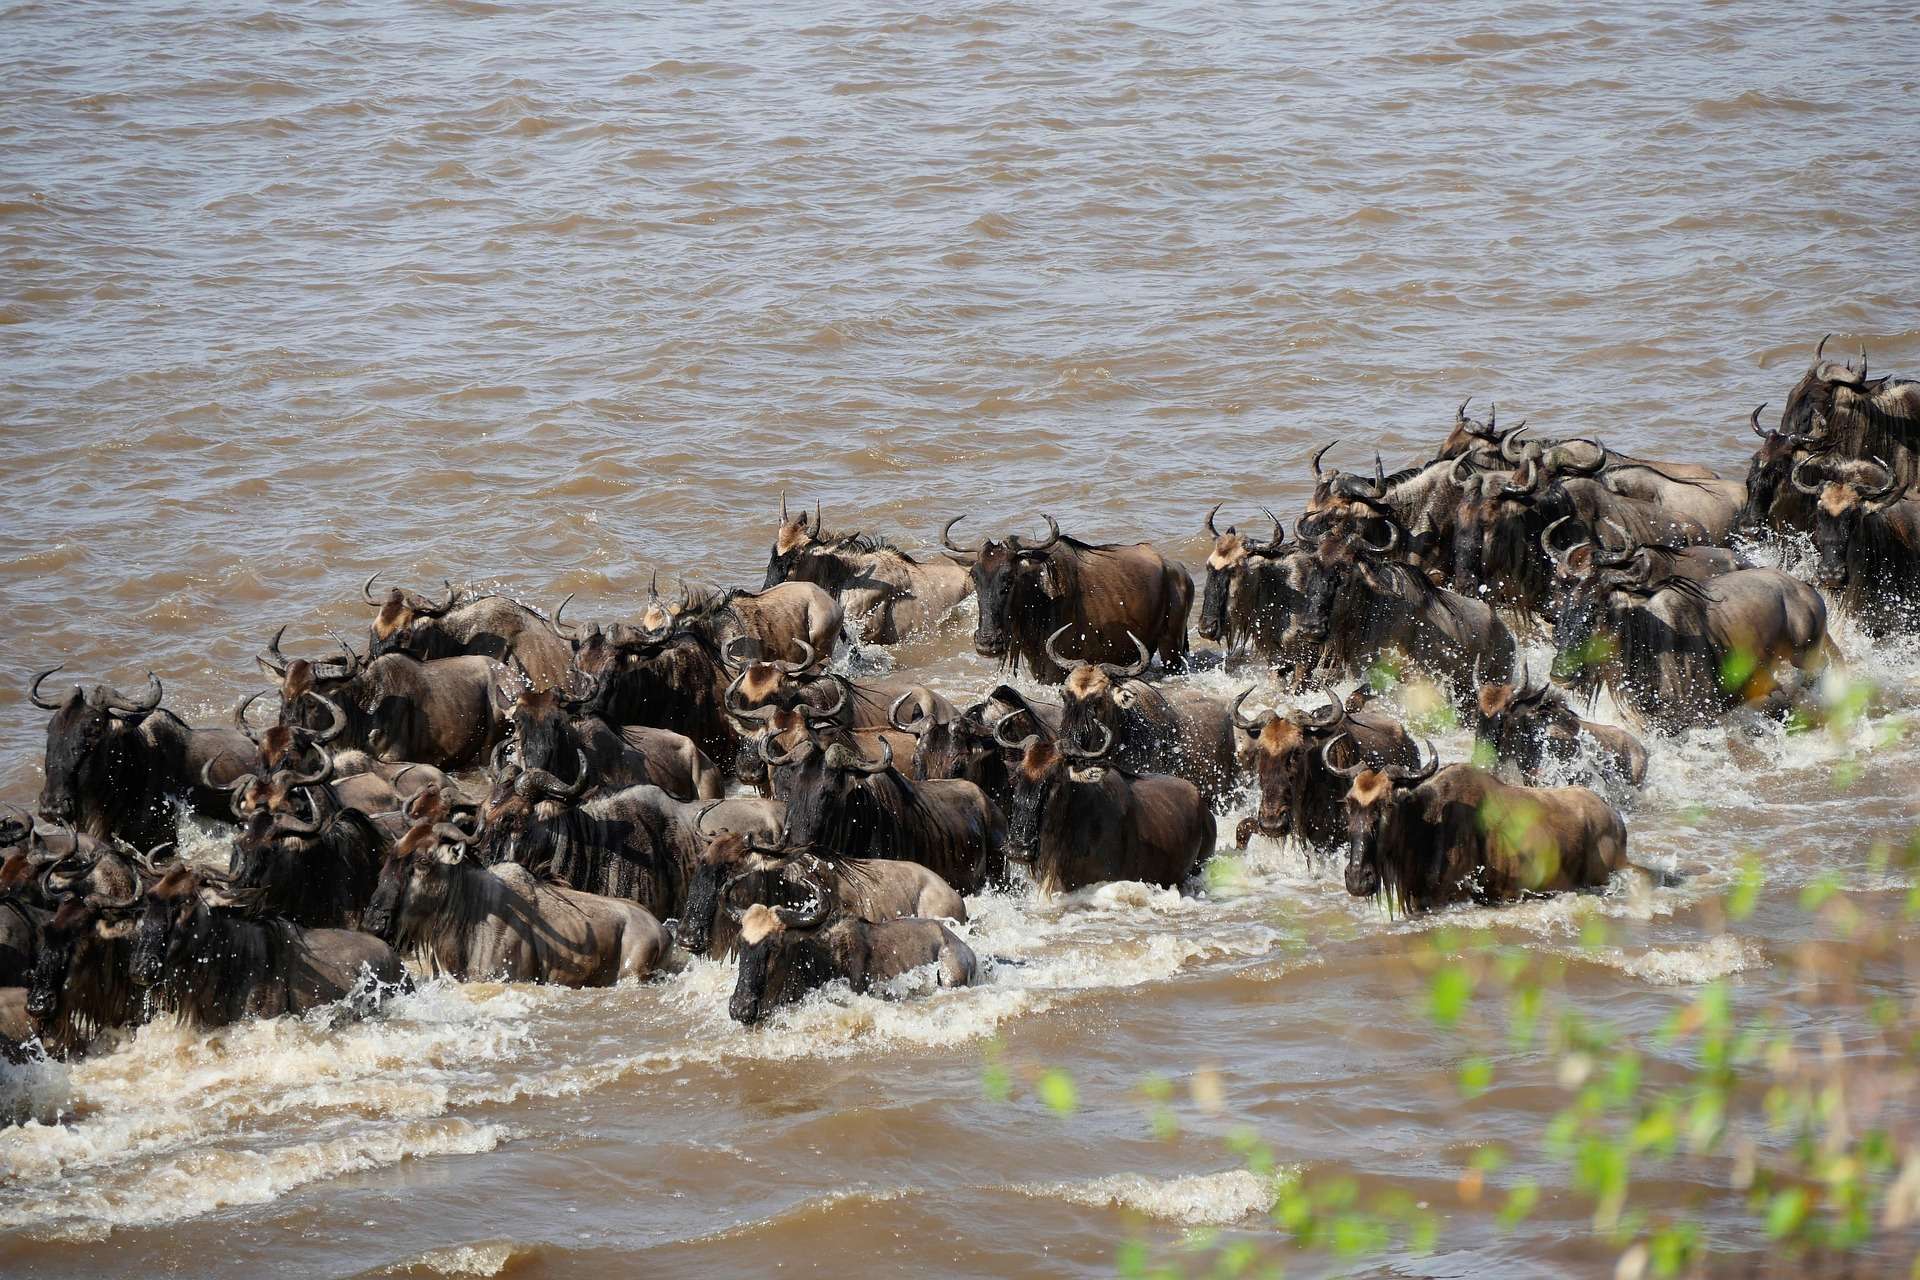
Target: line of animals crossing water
[[483, 791]]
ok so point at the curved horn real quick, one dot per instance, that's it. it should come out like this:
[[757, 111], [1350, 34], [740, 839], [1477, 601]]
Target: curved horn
[[1053, 536], [731, 701], [1321, 453], [786, 757], [334, 712], [783, 506], [1055, 656], [124, 706], [1512, 438], [1525, 487], [886, 760], [1279, 530], [1627, 542], [432, 610], [1886, 491], [33, 690], [813, 913], [1379, 476], [561, 629], [1129, 670], [366, 588], [1811, 490], [946, 538], [321, 774], [1819, 352], [1344, 771], [1210, 515], [1000, 732], [733, 661], [791, 667], [916, 726], [351, 666], [1419, 773], [541, 780], [497, 761], [240, 715], [1393, 540], [1562, 557], [1240, 721], [206, 775], [1072, 752], [1335, 712], [1460, 414], [1465, 460], [1754, 421]]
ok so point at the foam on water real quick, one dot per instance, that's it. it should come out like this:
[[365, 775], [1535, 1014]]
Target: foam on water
[[1195, 1200]]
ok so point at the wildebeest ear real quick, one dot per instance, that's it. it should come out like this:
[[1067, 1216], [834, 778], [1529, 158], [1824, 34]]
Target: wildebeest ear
[[1123, 695]]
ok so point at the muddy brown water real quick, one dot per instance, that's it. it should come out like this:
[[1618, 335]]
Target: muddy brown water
[[552, 297]]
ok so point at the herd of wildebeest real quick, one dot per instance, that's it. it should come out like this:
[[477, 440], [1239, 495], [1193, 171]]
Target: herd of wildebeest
[[492, 793]]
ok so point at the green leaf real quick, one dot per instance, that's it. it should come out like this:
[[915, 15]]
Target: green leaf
[[1476, 1077], [1520, 1203], [1745, 894], [1787, 1212], [1057, 1090], [1816, 894], [1447, 997]]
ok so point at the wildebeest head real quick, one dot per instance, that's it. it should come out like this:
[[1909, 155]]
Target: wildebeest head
[[1773, 464], [1842, 505], [1375, 800], [832, 805], [792, 542], [1497, 528], [1321, 575], [402, 617], [1095, 694], [761, 683], [734, 872], [92, 740], [1470, 436], [519, 795], [1044, 771], [782, 957], [312, 693], [174, 920], [961, 747], [543, 730], [1226, 566], [1513, 721], [1005, 574], [1284, 750], [1814, 396], [416, 881]]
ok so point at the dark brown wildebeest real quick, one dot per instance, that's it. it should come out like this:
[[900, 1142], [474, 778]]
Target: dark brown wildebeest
[[668, 678], [1773, 504], [779, 619], [1867, 533], [1185, 732], [205, 962], [444, 712], [888, 596], [1614, 549], [735, 872], [1860, 417], [1230, 614], [82, 984], [116, 766], [501, 923], [1679, 653], [841, 806], [1299, 794], [782, 737], [303, 855], [474, 626], [1102, 593], [1428, 837], [1497, 539], [639, 843], [1536, 731], [1358, 605], [1077, 821], [786, 953], [853, 704], [963, 747], [550, 732]]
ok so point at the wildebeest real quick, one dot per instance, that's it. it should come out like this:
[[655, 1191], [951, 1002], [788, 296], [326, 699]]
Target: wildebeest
[[444, 712], [82, 982], [116, 766], [886, 593], [671, 677], [1773, 503], [638, 843], [1860, 417], [468, 626], [202, 959], [503, 924], [1534, 729], [735, 871], [1102, 593], [1429, 836], [961, 746], [1299, 793], [842, 806], [1359, 605], [1867, 533], [315, 868], [786, 953], [782, 738], [1078, 821], [1678, 652], [1187, 732], [548, 737], [777, 620]]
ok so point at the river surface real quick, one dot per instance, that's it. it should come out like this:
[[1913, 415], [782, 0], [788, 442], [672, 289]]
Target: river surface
[[553, 298]]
